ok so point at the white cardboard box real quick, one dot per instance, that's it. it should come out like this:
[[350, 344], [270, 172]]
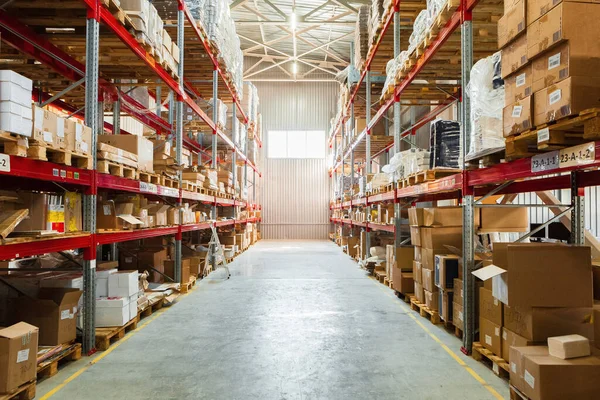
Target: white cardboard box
[[123, 284], [102, 282], [133, 306], [13, 123], [112, 311]]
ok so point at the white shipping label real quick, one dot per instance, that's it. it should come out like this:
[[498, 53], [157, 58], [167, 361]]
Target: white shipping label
[[543, 135], [4, 163], [60, 127], [106, 210], [168, 147], [78, 132], [529, 379], [38, 121], [47, 137], [488, 340], [65, 314], [513, 367], [504, 335], [84, 147], [22, 355], [520, 81], [496, 331], [516, 112], [555, 96], [553, 61]]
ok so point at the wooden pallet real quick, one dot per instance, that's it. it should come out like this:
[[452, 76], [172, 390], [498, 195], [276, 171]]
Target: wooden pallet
[[115, 169], [23, 392], [499, 365], [151, 308], [381, 276], [49, 367], [208, 192], [404, 296], [428, 175], [149, 178], [515, 394], [425, 311], [168, 182], [12, 144], [186, 287], [485, 158], [189, 186], [106, 336]]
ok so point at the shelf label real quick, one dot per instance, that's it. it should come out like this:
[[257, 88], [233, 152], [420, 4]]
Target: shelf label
[[148, 187], [573, 156], [4, 163], [170, 192]]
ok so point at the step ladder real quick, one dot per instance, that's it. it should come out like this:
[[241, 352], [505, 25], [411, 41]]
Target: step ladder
[[215, 244]]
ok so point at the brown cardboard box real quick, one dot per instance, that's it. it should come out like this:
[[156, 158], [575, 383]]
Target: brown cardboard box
[[518, 85], [565, 98], [73, 212], [128, 260], [185, 269], [538, 324], [138, 145], [195, 265], [537, 8], [445, 307], [535, 273], [37, 203], [108, 216], [417, 253], [437, 238], [571, 21], [432, 300], [458, 291], [447, 268], [415, 236], [513, 219], [514, 56], [419, 293], [417, 271], [435, 216], [70, 131], [457, 315], [18, 352], [150, 257], [509, 338], [403, 282], [596, 279], [512, 23], [54, 312], [517, 117], [597, 327], [428, 278], [561, 62], [490, 336], [539, 376], [428, 257], [489, 307], [159, 212], [42, 119]]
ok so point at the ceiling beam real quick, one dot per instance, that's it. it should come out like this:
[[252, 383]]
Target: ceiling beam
[[303, 23], [345, 4], [237, 3], [314, 10], [277, 9]]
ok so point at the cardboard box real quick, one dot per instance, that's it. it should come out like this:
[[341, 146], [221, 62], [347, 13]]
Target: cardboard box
[[490, 336], [39, 133], [138, 145], [596, 279], [83, 138], [537, 8], [538, 324], [517, 117], [512, 23], [569, 346], [155, 258], [432, 300], [489, 307], [37, 203], [419, 293], [185, 270], [417, 255], [404, 257], [54, 312], [435, 216], [514, 219], [18, 355], [428, 280], [415, 236], [597, 327], [128, 260], [519, 85], [538, 375], [571, 21], [509, 338], [123, 284], [133, 306], [195, 265], [530, 275], [446, 270], [428, 257], [113, 311], [438, 238], [457, 315], [159, 213], [109, 217], [417, 271], [445, 305], [402, 282], [565, 98], [458, 291], [514, 56], [102, 281]]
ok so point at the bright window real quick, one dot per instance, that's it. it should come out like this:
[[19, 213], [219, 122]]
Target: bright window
[[296, 144]]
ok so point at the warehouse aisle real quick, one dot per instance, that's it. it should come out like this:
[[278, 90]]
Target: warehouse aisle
[[297, 320]]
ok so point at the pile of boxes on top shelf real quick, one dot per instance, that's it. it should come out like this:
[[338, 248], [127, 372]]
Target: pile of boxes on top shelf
[[550, 67], [148, 29], [39, 133]]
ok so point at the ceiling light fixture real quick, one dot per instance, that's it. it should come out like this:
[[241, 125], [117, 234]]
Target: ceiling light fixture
[[293, 20], [295, 68]]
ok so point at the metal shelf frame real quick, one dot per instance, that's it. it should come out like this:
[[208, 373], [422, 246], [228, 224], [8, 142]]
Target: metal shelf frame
[[465, 186], [98, 87]]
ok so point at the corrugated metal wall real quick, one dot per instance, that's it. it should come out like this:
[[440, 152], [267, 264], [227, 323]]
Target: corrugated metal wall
[[295, 192]]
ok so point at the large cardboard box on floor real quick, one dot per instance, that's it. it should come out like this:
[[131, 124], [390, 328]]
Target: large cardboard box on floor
[[509, 338], [457, 315], [428, 279], [432, 300], [539, 323], [185, 270], [447, 269], [112, 311], [530, 275], [417, 271], [138, 145], [490, 336], [419, 293], [403, 282], [540, 376], [446, 299], [123, 284], [18, 355], [54, 312], [458, 291]]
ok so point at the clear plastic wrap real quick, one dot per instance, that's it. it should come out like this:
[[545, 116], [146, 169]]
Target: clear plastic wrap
[[361, 36], [375, 19], [381, 179], [486, 91], [392, 68], [221, 113], [445, 144], [250, 102], [419, 30], [433, 8]]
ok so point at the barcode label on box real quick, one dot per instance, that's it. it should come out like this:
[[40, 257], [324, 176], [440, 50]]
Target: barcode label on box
[[22, 355], [488, 340], [529, 379], [106, 210], [553, 61], [555, 97], [496, 331], [543, 135], [521, 79], [516, 112], [4, 163], [47, 137]]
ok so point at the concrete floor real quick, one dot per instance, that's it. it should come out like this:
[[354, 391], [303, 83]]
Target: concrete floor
[[297, 320]]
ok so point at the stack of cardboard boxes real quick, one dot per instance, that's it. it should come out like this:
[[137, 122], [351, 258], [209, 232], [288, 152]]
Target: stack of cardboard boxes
[[399, 262], [550, 66], [18, 355], [448, 269], [121, 303]]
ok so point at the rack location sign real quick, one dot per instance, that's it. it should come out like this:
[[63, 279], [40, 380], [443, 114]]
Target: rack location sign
[[4, 163], [570, 157], [148, 188]]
